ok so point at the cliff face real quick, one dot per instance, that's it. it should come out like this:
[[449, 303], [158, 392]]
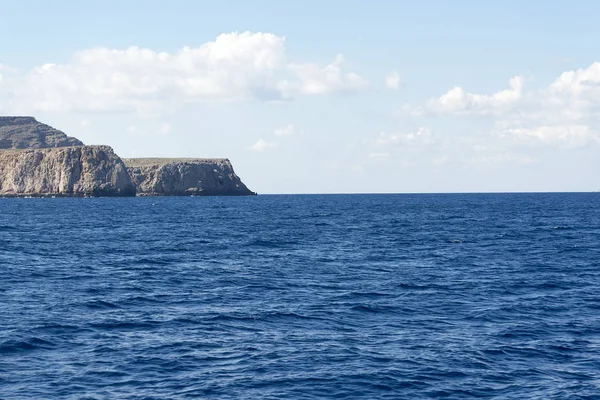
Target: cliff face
[[27, 133], [184, 177], [64, 171], [56, 164]]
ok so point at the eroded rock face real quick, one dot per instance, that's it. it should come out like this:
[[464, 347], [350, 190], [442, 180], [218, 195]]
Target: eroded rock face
[[28, 133], [185, 177], [64, 171], [56, 164]]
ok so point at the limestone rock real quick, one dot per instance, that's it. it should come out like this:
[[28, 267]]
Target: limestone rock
[[28, 133], [64, 171], [185, 177]]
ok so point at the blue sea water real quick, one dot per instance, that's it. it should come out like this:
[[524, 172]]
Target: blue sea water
[[301, 297]]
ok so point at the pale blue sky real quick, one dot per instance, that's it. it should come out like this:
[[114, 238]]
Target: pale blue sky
[[293, 119]]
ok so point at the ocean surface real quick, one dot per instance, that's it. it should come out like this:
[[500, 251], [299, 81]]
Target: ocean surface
[[301, 297]]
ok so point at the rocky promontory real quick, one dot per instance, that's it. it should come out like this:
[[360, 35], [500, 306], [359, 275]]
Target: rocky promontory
[[28, 133], [185, 177], [65, 171], [38, 160]]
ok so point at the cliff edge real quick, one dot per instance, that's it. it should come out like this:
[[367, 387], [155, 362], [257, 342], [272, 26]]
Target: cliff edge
[[38, 160], [185, 177], [64, 171], [28, 133]]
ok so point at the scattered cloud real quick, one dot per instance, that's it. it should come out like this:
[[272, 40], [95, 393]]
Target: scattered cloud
[[392, 80], [262, 145], [379, 156], [421, 135], [321, 80], [287, 130], [565, 113], [235, 66], [568, 136], [459, 102]]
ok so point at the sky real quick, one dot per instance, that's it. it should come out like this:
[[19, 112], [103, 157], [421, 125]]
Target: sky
[[322, 96]]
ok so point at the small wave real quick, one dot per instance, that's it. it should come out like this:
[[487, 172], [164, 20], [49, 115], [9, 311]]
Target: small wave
[[142, 300], [563, 228], [123, 325], [271, 243], [58, 329], [151, 261], [17, 346], [101, 305], [363, 295], [371, 308]]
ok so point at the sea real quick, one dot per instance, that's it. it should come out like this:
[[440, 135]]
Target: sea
[[400, 296]]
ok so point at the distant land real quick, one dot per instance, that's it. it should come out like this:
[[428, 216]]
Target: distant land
[[39, 160]]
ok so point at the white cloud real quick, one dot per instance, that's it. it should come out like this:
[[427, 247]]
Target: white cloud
[[573, 96], [287, 130], [578, 82], [458, 101], [235, 66], [320, 80], [164, 129], [569, 136], [392, 80], [565, 113], [379, 156], [421, 135], [262, 145]]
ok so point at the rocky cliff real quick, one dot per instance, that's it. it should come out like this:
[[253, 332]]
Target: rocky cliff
[[56, 164], [27, 133], [185, 176], [64, 171]]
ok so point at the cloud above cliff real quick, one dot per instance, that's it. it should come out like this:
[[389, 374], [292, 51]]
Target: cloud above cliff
[[281, 133], [314, 79], [262, 145], [233, 67]]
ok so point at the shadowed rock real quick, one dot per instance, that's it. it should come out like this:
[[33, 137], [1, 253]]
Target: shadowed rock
[[28, 133], [185, 177]]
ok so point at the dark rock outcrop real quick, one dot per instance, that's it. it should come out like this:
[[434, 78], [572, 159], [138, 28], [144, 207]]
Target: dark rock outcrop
[[28, 133], [65, 171], [185, 177]]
